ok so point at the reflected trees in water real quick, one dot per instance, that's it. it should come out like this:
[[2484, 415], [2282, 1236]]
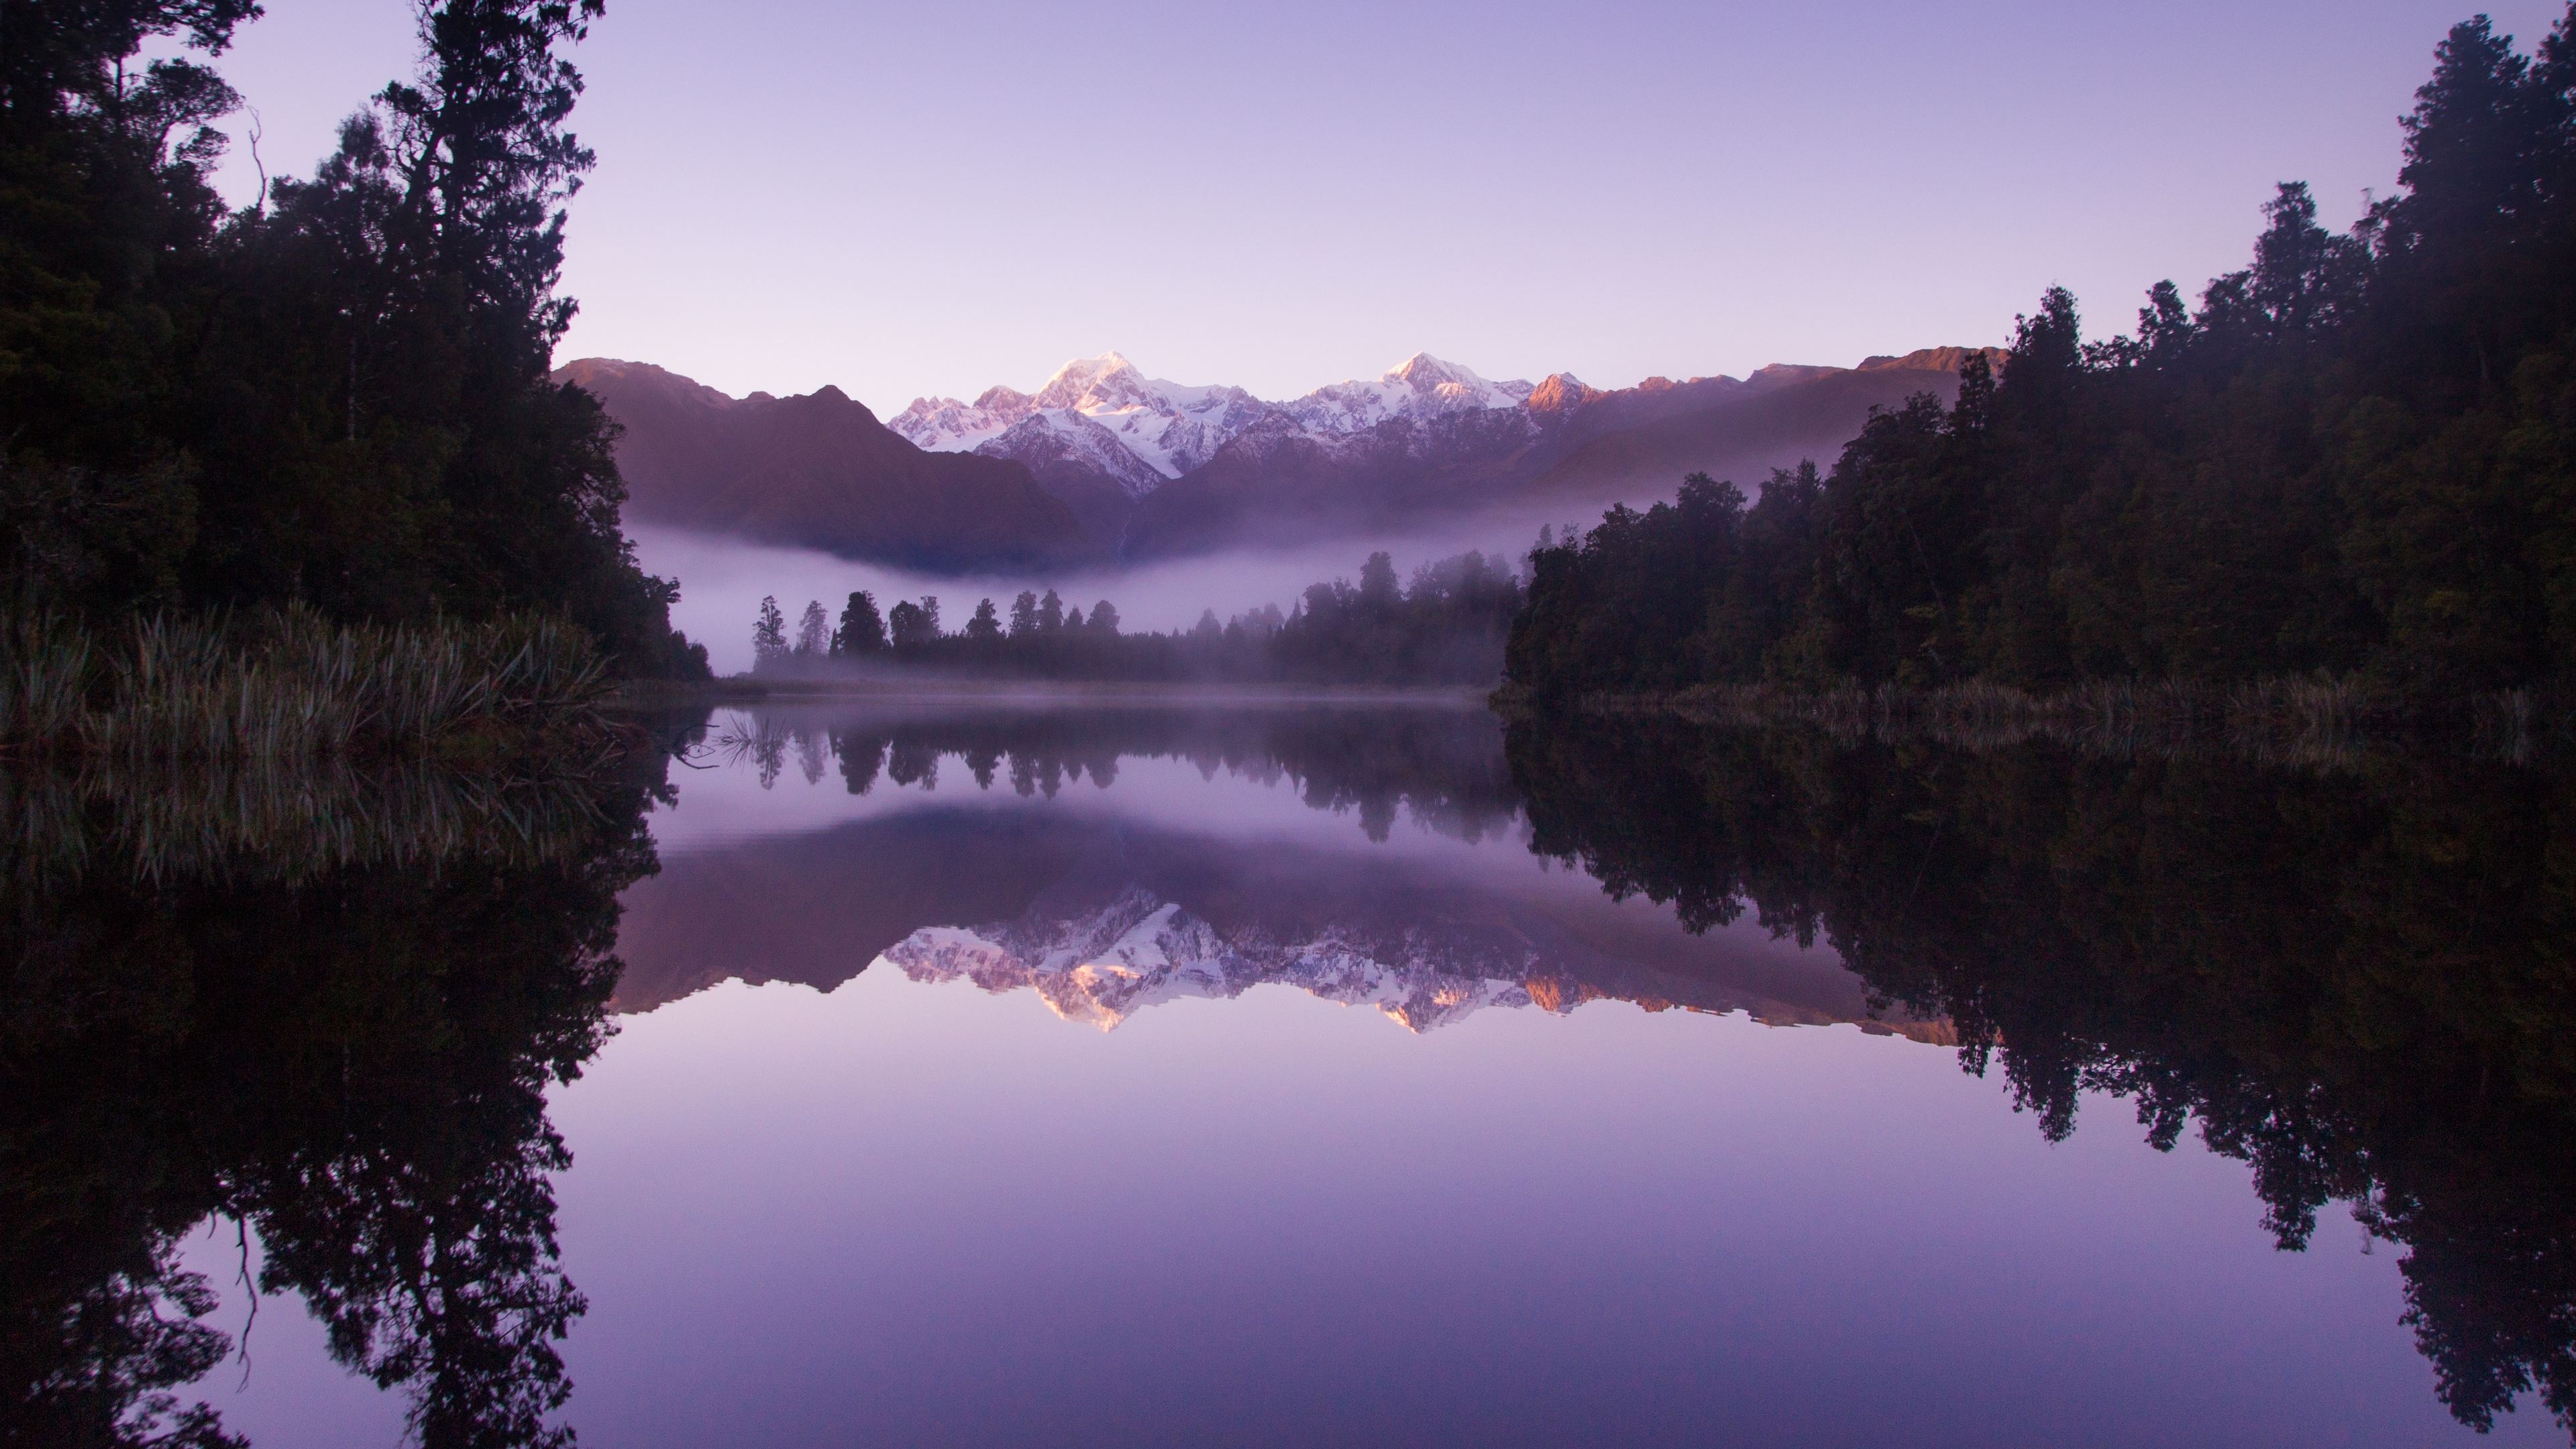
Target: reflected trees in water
[[2360, 982], [336, 1032]]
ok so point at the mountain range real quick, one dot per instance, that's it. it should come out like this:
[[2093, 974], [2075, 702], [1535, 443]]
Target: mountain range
[[1102, 462], [817, 471]]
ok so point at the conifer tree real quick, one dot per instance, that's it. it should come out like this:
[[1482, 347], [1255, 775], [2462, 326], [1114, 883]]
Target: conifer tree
[[862, 631], [768, 636]]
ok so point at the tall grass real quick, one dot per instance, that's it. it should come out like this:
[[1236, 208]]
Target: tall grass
[[288, 685]]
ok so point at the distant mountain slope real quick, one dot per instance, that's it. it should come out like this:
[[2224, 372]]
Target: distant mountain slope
[[1564, 446], [1281, 482], [818, 471], [1772, 420], [1102, 461]]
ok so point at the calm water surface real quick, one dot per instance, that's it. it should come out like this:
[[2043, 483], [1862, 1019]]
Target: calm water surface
[[1360, 1076]]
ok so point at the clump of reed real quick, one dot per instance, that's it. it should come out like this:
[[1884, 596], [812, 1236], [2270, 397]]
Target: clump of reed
[[289, 685]]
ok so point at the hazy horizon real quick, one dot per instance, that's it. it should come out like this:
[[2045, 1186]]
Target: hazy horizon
[[723, 579]]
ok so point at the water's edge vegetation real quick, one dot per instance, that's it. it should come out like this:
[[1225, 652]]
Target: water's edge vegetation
[[271, 686]]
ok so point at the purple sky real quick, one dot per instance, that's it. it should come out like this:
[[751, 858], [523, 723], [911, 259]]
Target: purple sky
[[910, 199]]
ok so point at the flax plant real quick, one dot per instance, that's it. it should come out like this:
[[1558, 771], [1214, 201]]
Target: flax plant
[[290, 685]]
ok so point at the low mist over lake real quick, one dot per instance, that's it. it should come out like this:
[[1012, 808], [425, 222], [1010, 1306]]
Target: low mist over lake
[[785, 724], [727, 578]]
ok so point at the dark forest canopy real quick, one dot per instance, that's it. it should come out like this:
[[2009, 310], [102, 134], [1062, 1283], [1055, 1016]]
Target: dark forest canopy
[[1445, 626], [2357, 456], [336, 396]]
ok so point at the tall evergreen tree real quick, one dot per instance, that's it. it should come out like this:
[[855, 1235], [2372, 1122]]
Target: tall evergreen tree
[[2357, 456], [908, 628], [862, 631], [338, 397]]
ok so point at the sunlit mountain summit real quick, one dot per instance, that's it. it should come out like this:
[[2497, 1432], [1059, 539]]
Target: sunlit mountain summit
[[1103, 463], [1098, 408]]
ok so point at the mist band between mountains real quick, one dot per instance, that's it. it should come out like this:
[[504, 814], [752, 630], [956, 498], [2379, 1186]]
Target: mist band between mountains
[[1104, 465]]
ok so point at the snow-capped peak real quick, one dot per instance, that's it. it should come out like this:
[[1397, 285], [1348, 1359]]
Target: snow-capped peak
[[1169, 427], [1420, 386], [1090, 384], [1166, 428], [946, 425]]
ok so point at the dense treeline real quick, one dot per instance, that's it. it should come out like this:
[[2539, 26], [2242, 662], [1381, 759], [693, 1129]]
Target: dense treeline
[[1446, 626], [2357, 456], [2356, 982], [335, 396]]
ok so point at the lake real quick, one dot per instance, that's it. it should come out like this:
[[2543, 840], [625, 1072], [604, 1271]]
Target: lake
[[1274, 1072]]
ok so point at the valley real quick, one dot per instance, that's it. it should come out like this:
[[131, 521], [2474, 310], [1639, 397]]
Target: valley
[[1103, 466]]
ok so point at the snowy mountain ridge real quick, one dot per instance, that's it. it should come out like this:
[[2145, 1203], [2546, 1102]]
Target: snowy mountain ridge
[[1170, 428]]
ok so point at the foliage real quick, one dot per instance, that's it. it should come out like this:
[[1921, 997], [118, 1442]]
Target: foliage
[[1445, 627], [290, 685], [862, 631], [336, 397], [2357, 457]]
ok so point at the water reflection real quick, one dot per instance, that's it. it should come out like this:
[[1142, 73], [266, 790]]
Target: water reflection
[[325, 1008], [2359, 981], [1412, 891], [334, 1010]]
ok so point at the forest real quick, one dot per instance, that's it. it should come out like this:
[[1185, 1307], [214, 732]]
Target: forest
[[1445, 626], [333, 398], [2354, 459]]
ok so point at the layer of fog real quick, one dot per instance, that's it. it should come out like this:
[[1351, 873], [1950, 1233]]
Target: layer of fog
[[722, 580]]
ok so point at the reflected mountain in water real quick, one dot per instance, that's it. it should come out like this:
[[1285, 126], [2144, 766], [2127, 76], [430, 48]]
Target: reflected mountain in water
[[1135, 898], [330, 1008], [1104, 965]]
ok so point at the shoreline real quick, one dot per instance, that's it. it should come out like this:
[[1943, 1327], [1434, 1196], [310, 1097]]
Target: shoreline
[[2294, 720], [1040, 693]]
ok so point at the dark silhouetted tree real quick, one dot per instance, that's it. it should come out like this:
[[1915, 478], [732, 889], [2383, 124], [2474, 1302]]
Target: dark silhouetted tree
[[769, 636], [862, 632]]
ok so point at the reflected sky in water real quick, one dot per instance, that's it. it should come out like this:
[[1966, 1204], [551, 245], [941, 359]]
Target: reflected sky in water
[[1403, 1134]]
